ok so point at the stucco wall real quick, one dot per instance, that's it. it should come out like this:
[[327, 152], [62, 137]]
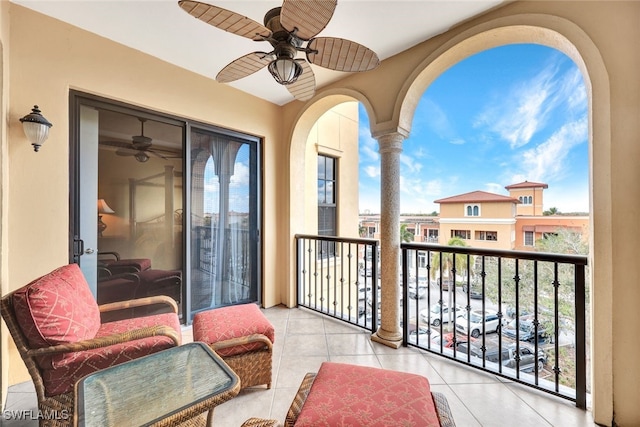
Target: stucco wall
[[38, 210]]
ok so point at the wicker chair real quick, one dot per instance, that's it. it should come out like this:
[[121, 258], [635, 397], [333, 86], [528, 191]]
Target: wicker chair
[[54, 366]]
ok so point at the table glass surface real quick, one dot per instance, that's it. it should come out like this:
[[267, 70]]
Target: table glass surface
[[148, 389]]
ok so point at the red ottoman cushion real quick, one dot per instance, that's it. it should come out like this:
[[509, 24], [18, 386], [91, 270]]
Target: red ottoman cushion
[[235, 321], [351, 395]]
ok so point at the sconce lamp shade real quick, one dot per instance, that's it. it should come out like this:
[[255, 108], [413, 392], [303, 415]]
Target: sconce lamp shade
[[36, 127], [103, 207]]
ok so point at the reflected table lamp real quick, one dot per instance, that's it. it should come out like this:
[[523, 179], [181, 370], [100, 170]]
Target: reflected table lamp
[[103, 208]]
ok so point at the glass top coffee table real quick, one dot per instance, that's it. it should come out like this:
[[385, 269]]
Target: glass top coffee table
[[161, 389]]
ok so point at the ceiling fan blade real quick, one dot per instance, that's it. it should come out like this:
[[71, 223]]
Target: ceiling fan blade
[[306, 18], [126, 152], [156, 154], [226, 20], [341, 55], [117, 144], [244, 66], [304, 88]]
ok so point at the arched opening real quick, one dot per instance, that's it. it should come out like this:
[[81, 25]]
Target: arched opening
[[572, 41], [302, 140]]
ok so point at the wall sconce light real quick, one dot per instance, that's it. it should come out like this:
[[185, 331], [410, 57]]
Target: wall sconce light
[[103, 208], [36, 127]]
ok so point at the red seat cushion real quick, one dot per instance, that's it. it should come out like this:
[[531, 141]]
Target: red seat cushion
[[57, 308], [140, 264], [351, 395], [236, 321], [61, 372]]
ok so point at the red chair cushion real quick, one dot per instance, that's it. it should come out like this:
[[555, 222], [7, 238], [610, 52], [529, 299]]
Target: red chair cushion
[[57, 308], [127, 265], [61, 372], [351, 395], [235, 321]]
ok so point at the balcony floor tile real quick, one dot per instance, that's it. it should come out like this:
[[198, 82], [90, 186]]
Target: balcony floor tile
[[304, 340]]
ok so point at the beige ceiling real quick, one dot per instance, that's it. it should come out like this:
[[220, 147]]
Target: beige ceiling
[[160, 28]]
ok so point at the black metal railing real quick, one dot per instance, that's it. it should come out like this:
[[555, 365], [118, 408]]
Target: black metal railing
[[339, 277], [520, 315]]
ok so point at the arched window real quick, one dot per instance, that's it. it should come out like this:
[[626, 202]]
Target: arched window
[[469, 211]]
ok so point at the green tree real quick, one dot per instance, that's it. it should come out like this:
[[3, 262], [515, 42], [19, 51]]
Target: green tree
[[551, 211], [406, 236], [461, 263], [521, 276]]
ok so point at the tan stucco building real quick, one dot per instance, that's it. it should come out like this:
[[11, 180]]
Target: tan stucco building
[[600, 36]]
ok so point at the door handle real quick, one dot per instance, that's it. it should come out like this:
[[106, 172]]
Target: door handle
[[89, 251]]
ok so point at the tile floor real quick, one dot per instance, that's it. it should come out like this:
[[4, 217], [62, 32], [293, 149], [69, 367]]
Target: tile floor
[[305, 339]]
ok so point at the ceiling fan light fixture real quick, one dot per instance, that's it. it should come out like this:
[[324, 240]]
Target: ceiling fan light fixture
[[141, 156], [285, 70]]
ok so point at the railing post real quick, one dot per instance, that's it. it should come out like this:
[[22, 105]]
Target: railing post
[[581, 345]]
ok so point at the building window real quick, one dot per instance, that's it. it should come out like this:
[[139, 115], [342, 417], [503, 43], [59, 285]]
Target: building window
[[462, 234], [487, 235], [432, 235], [327, 205], [472, 210], [526, 200], [528, 238]]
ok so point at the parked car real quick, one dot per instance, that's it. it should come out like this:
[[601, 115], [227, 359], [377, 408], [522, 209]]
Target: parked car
[[476, 290], [528, 358], [449, 339], [438, 315], [445, 283], [472, 323], [416, 293], [526, 328]]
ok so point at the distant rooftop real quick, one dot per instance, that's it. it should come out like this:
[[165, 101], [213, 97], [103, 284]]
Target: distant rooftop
[[526, 184], [476, 197]]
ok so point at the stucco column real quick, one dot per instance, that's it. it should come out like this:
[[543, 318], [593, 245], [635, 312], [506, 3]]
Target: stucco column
[[390, 147]]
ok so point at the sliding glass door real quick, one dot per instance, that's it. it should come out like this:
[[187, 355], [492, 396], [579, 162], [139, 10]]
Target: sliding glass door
[[224, 220], [183, 197]]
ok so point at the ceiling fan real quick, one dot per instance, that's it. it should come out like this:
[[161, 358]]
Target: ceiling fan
[[287, 28], [139, 147]]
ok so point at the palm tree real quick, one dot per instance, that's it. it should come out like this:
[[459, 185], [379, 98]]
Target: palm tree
[[461, 264], [443, 263], [405, 235]]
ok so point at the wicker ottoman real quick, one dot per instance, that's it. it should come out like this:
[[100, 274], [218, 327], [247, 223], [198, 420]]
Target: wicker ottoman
[[243, 337]]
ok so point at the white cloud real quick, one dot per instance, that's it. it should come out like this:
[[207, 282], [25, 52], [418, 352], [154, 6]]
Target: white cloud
[[436, 119], [517, 115], [410, 163], [371, 171], [546, 162], [240, 177], [368, 146], [494, 187]]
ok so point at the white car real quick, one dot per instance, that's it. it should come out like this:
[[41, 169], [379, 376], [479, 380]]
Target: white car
[[474, 323], [437, 315]]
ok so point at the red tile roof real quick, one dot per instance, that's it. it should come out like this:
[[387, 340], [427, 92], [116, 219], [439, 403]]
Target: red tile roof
[[476, 197], [527, 184]]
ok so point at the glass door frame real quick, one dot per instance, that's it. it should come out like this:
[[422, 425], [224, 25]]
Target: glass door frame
[[77, 99]]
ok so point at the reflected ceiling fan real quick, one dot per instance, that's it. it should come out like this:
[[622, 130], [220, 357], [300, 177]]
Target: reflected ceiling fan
[[140, 147], [287, 28]]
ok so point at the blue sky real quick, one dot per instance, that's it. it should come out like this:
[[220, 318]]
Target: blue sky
[[500, 117]]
